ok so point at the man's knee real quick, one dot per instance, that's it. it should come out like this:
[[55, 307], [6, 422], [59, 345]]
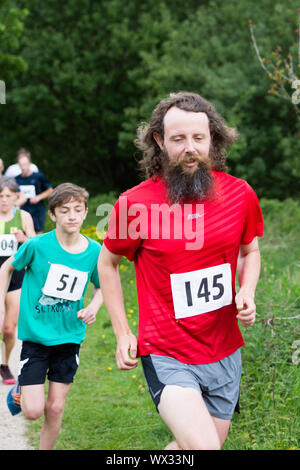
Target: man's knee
[[201, 443], [186, 415]]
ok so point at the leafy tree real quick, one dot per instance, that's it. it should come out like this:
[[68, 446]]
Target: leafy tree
[[11, 28], [69, 108], [210, 52], [96, 69]]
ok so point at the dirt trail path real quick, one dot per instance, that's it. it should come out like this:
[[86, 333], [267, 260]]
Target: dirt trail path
[[12, 428]]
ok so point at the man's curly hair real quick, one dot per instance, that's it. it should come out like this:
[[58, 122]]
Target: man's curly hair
[[222, 136]]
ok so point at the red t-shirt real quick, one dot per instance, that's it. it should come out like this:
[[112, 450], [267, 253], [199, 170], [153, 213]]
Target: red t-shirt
[[185, 260]]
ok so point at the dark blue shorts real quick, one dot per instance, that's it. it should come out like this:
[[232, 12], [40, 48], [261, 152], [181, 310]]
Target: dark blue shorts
[[39, 221]]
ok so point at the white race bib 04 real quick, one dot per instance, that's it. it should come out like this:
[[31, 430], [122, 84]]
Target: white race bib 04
[[8, 244], [201, 291], [28, 190], [65, 283]]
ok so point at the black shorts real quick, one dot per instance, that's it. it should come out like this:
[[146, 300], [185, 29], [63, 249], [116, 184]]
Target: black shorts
[[16, 280], [60, 361]]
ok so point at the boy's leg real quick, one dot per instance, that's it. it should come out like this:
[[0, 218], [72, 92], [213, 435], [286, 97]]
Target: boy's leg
[[54, 410], [63, 366], [185, 413], [12, 304], [32, 401]]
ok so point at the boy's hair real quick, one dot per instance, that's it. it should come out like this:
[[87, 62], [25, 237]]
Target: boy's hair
[[8, 182], [64, 192]]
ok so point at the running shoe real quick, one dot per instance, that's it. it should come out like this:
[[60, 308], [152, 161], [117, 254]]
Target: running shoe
[[6, 375], [14, 400]]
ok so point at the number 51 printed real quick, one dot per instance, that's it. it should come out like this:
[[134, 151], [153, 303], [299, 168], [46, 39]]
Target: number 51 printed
[[65, 283]]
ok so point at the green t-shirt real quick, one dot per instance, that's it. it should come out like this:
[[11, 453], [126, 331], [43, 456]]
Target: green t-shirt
[[53, 289]]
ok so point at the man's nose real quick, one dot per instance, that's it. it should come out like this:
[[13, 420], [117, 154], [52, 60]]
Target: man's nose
[[189, 146]]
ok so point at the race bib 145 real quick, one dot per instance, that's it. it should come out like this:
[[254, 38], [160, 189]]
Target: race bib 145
[[201, 291]]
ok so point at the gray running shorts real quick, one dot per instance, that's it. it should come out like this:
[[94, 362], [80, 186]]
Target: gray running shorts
[[218, 382]]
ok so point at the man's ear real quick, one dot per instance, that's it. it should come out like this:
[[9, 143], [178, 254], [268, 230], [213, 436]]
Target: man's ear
[[158, 140]]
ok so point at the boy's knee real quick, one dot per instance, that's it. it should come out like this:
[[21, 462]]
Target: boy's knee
[[32, 413], [55, 408], [9, 332]]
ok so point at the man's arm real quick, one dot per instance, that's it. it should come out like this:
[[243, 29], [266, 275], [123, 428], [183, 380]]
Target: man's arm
[[6, 271], [248, 275], [113, 299], [41, 196]]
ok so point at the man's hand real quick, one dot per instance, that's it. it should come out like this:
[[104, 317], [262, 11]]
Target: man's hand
[[87, 315], [126, 343], [247, 309], [34, 200]]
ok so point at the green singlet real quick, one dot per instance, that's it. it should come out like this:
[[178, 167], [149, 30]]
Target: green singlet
[[14, 224]]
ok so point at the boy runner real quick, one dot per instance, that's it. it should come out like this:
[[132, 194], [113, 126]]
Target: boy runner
[[16, 226], [52, 322]]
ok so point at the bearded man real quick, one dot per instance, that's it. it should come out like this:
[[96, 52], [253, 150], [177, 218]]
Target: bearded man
[[189, 338]]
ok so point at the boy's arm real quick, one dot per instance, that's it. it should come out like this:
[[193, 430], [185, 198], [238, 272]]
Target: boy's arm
[[6, 271], [88, 314], [28, 228]]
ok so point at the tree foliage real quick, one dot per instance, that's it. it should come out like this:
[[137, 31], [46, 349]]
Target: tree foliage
[[11, 27], [97, 68]]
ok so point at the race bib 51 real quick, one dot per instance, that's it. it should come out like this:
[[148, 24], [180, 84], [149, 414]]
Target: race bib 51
[[201, 291], [65, 283]]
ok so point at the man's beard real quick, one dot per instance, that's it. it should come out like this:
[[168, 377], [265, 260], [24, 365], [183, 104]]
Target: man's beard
[[193, 184]]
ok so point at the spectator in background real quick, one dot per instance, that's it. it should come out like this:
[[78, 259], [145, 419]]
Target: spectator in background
[[20, 199], [15, 170], [36, 188]]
